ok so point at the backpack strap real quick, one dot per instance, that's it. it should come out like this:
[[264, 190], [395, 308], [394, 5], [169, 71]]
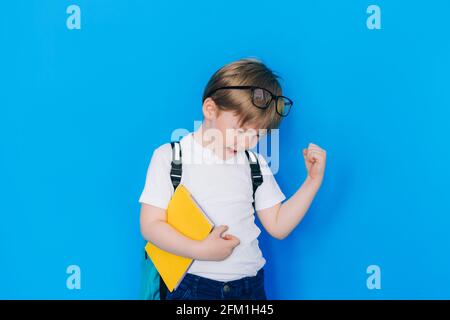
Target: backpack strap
[[255, 171], [176, 169], [175, 176]]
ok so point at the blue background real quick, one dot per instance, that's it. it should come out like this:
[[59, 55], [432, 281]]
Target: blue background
[[82, 111]]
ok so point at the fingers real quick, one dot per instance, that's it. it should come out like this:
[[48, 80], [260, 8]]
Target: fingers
[[230, 237], [310, 155], [314, 153], [234, 241], [220, 230], [315, 147]]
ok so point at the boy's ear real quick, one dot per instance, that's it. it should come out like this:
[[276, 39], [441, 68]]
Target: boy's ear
[[210, 109]]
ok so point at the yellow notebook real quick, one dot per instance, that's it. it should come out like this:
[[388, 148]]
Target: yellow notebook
[[186, 216]]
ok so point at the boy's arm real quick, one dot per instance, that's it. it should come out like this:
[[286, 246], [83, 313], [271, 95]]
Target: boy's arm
[[154, 228], [281, 219]]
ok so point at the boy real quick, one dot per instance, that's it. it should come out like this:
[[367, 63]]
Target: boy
[[240, 99]]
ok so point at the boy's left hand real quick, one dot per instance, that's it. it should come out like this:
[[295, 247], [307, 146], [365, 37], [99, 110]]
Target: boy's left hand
[[315, 158]]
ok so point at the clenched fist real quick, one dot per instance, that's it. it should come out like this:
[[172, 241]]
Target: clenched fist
[[315, 158]]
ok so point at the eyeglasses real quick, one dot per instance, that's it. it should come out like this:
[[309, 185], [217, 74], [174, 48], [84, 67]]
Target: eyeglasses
[[263, 98]]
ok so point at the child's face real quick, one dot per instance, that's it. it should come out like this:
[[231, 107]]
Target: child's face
[[223, 130], [233, 137]]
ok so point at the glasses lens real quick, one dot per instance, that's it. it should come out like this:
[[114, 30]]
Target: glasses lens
[[284, 106], [261, 97]]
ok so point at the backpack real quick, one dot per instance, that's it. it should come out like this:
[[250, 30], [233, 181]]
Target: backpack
[[152, 285]]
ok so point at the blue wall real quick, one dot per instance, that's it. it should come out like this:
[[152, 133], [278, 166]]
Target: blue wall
[[82, 110]]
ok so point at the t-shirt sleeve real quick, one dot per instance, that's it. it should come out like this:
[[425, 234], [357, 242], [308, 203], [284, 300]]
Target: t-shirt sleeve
[[268, 193], [158, 187]]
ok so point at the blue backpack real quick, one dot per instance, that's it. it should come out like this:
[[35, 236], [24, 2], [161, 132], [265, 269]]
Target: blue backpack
[[152, 285]]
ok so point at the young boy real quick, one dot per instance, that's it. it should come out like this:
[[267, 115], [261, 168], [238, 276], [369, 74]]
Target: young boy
[[239, 99]]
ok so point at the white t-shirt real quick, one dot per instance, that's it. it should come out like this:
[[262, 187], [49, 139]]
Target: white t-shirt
[[223, 189]]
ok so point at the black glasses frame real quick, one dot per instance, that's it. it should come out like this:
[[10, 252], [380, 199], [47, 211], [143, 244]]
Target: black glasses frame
[[274, 97]]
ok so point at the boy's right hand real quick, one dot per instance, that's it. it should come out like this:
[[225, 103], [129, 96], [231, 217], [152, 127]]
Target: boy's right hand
[[215, 247]]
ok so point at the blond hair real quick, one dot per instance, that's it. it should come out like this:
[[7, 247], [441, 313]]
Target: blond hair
[[245, 72]]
